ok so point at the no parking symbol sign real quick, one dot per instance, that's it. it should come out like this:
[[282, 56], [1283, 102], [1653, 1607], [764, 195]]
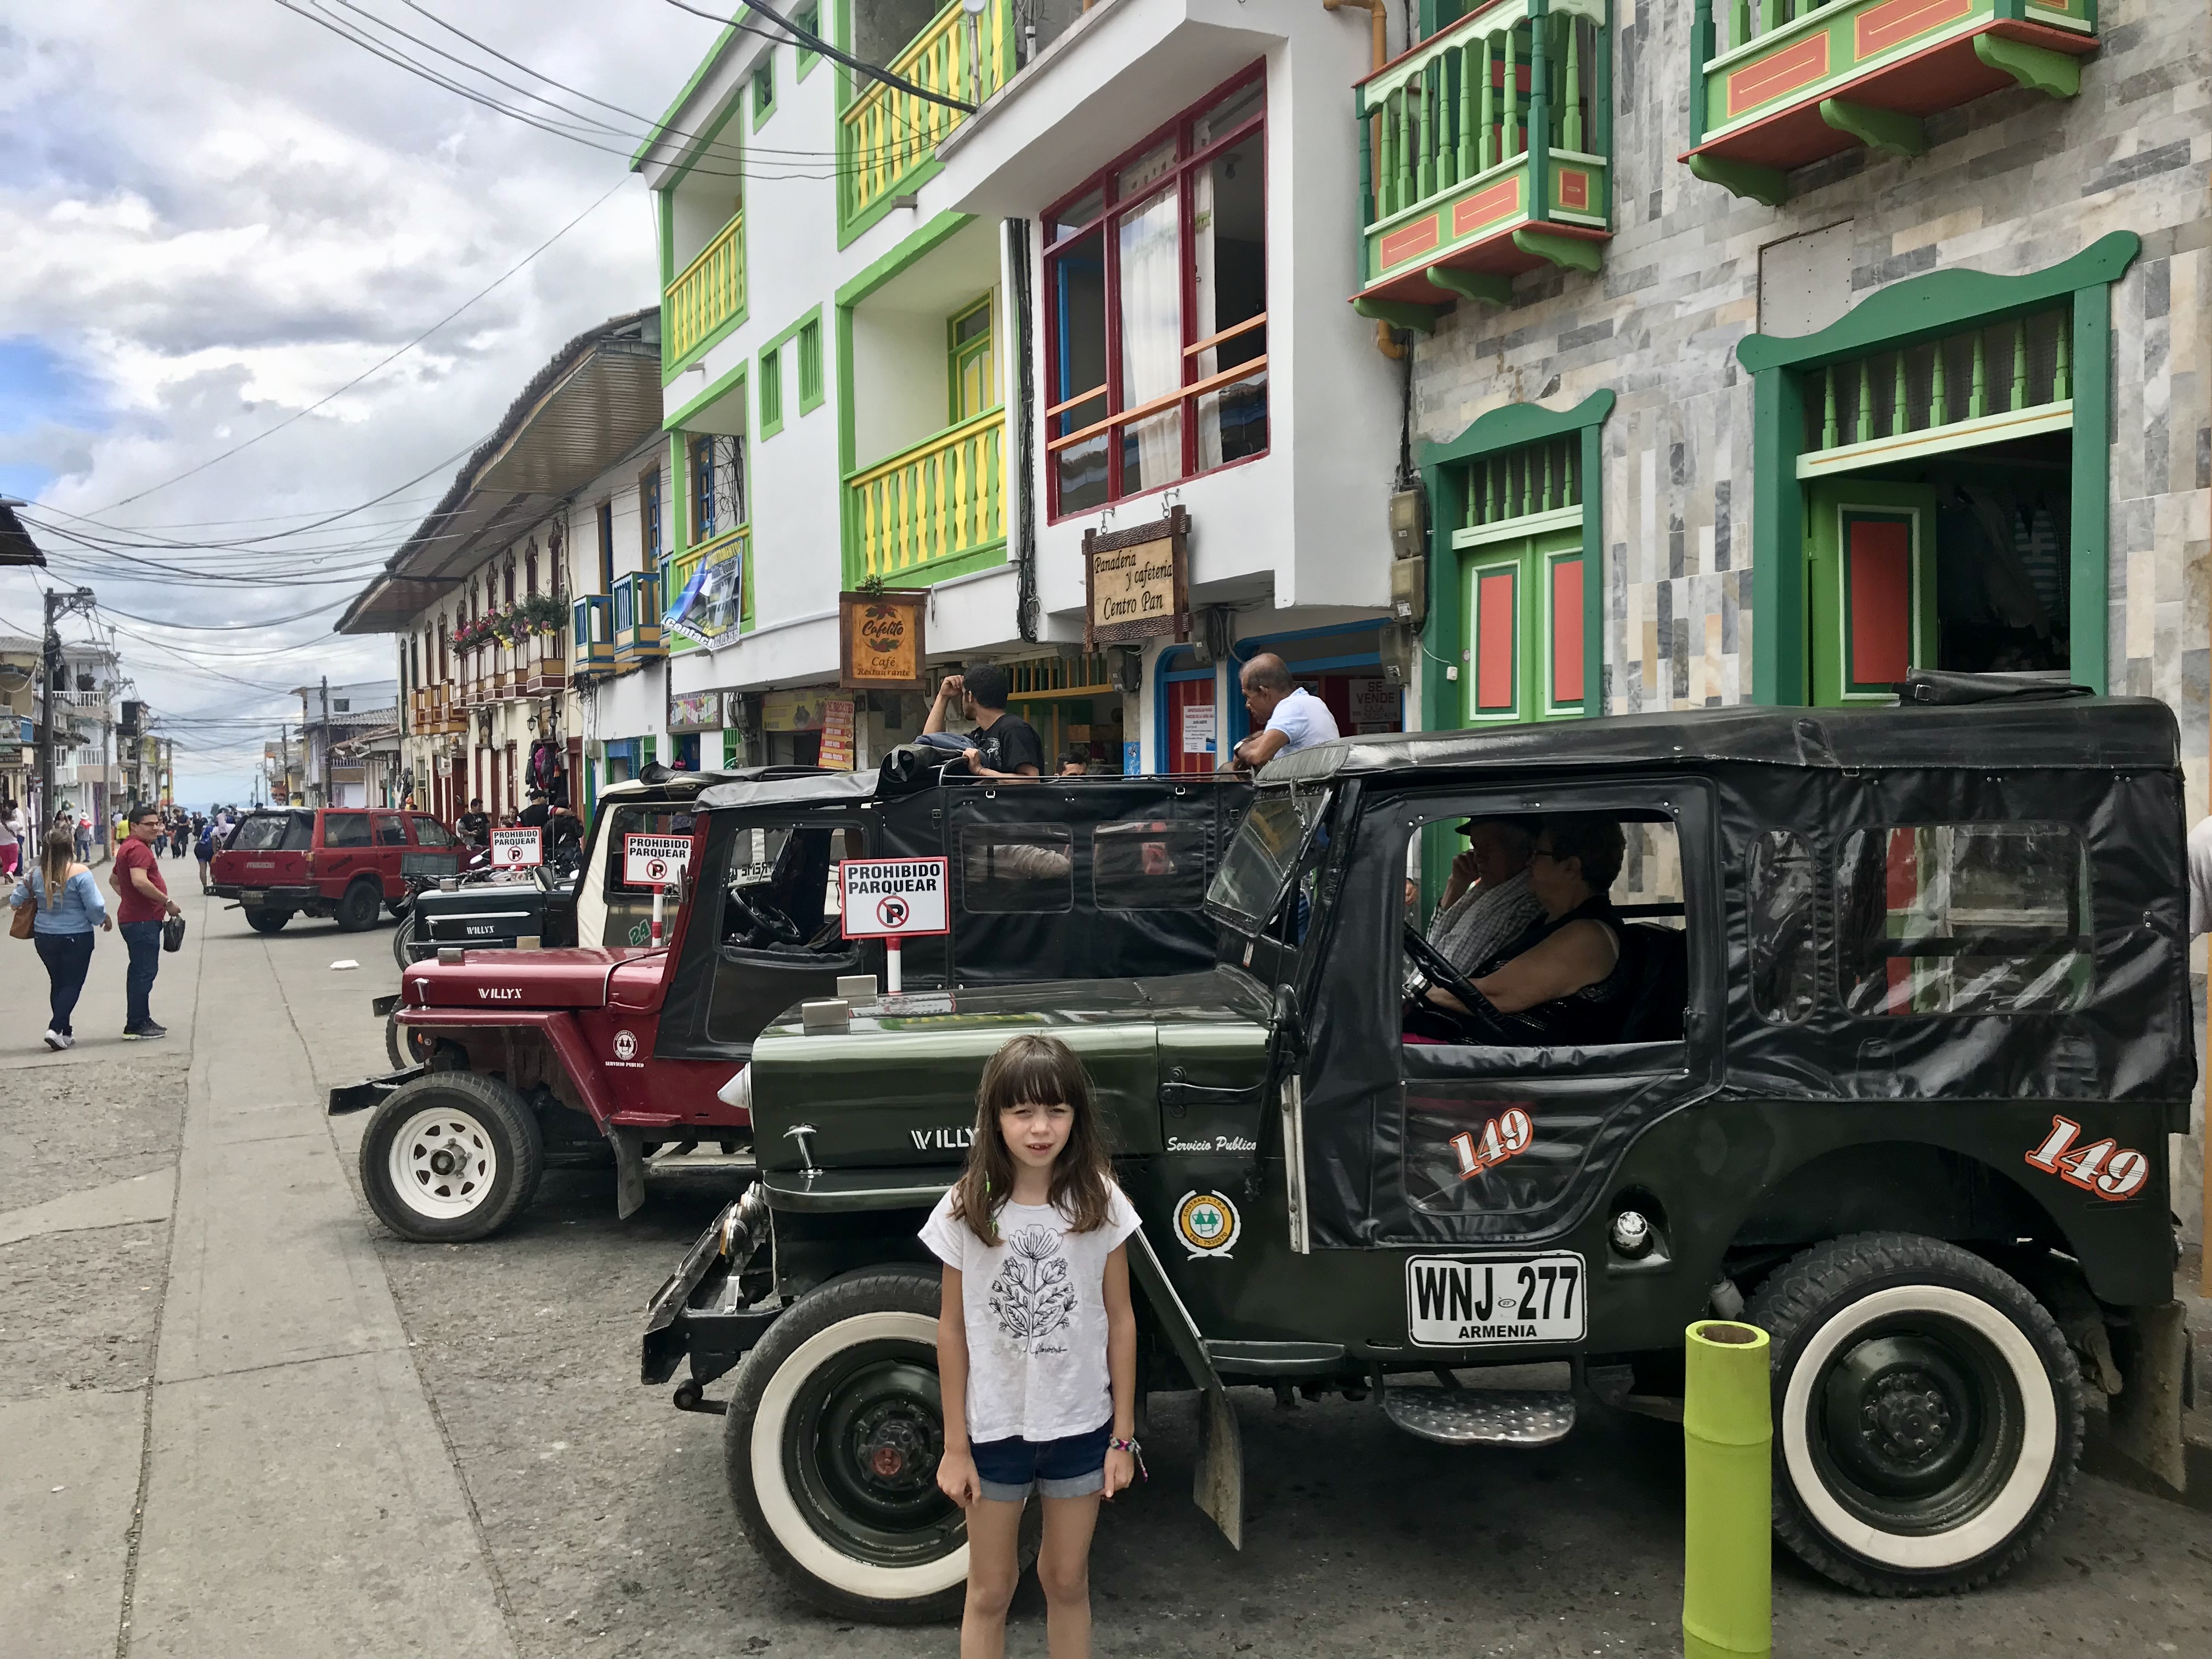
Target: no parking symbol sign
[[893, 898]]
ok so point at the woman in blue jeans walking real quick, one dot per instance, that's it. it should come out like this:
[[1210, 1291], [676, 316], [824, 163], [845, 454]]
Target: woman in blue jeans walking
[[70, 908]]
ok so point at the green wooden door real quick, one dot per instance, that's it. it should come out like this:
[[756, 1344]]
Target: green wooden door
[[967, 340], [1525, 638], [1870, 575]]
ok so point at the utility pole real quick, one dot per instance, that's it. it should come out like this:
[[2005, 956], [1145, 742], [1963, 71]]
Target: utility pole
[[57, 605]]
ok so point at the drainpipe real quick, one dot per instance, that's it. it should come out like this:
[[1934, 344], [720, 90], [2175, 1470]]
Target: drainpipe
[[1379, 54]]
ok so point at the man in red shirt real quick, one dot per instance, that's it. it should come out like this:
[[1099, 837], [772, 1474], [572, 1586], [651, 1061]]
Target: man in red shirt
[[144, 905]]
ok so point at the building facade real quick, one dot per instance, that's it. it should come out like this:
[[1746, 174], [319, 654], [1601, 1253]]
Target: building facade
[[348, 759], [1091, 303], [504, 602]]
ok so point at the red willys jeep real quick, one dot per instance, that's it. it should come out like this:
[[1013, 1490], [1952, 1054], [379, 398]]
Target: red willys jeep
[[613, 1050], [344, 862]]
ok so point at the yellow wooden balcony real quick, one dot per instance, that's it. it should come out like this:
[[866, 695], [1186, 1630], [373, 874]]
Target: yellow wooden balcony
[[706, 293], [936, 510], [884, 136]]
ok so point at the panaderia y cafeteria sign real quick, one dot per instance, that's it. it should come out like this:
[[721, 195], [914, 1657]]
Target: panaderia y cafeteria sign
[[1138, 581]]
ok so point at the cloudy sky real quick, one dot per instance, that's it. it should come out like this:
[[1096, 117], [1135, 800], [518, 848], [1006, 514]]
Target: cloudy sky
[[216, 214]]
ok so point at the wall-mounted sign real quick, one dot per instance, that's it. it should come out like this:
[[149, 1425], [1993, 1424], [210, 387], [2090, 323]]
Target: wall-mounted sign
[[694, 711], [1137, 581], [836, 734], [880, 642], [793, 711]]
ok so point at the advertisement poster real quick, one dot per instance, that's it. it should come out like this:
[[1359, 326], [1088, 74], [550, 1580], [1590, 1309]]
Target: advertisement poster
[[793, 711], [1198, 728], [1375, 703], [837, 734], [694, 711]]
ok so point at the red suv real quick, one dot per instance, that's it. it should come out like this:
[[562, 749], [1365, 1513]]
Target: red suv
[[345, 862]]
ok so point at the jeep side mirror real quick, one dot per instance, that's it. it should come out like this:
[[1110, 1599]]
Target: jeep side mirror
[[1288, 1026]]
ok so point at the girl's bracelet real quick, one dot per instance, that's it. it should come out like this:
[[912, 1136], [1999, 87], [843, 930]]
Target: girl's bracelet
[[1117, 1443]]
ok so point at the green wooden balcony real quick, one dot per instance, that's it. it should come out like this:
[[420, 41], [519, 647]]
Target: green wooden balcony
[[934, 511], [887, 137], [705, 294], [1485, 151], [1779, 83]]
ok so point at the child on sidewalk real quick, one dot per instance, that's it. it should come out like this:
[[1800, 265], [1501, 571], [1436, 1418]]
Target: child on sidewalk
[[1036, 1340]]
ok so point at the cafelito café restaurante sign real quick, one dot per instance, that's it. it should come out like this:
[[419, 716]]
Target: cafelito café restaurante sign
[[1137, 581]]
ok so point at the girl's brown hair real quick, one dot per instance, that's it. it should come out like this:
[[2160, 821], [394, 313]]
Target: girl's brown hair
[[1035, 1070]]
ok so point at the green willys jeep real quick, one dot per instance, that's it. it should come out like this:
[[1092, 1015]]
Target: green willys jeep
[[1907, 1027]]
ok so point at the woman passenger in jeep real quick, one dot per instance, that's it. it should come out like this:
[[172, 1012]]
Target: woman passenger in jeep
[[1565, 982]]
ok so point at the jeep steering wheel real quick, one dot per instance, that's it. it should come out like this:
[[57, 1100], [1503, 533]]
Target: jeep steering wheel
[[1438, 969]]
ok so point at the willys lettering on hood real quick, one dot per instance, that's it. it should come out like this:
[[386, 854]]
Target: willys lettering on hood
[[944, 1141]]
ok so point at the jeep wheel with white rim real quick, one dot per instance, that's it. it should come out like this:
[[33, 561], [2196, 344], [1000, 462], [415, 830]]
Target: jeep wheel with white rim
[[1927, 1414], [832, 1443], [450, 1157]]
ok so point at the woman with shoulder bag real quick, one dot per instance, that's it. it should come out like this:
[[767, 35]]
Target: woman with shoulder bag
[[61, 903]]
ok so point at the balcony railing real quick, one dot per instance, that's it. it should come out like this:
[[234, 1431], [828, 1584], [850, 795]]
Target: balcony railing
[[592, 638], [544, 667], [938, 509], [706, 293], [637, 619], [886, 136], [1485, 151], [1777, 84]]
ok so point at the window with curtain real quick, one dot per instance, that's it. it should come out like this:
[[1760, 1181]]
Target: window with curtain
[[1156, 272]]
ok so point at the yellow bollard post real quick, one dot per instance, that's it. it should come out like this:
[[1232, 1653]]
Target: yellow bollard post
[[1728, 1436]]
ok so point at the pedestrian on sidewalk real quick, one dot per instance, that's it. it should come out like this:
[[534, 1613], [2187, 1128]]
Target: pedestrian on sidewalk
[[70, 908], [145, 904], [11, 837], [83, 840], [1036, 1339], [203, 850]]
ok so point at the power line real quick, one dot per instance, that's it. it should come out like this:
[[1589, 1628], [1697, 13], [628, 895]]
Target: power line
[[302, 414]]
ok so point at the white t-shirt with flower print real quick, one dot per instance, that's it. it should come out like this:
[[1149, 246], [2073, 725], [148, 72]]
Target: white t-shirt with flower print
[[1035, 1305]]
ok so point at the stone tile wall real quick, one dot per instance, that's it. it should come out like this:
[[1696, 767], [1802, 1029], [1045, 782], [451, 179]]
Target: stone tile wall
[[2011, 183]]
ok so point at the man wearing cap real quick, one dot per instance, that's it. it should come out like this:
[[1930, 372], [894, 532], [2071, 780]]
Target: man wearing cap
[[538, 814], [1488, 902]]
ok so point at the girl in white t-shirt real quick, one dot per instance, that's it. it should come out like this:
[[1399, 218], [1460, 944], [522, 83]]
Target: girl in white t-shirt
[[1037, 1342]]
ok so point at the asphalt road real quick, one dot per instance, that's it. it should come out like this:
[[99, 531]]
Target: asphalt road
[[236, 1418]]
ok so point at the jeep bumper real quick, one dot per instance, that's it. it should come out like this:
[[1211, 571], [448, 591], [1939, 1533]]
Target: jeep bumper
[[701, 1313], [370, 1091]]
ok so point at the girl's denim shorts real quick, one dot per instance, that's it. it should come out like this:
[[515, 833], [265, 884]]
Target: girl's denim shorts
[[1071, 1467]]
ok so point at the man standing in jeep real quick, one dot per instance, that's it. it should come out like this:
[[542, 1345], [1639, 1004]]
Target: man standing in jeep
[[1003, 746], [475, 827]]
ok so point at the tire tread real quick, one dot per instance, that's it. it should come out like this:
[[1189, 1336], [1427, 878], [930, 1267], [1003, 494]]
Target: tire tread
[[1817, 1279]]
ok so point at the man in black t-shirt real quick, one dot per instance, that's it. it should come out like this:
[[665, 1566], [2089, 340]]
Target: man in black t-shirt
[[1003, 746], [538, 814], [475, 827]]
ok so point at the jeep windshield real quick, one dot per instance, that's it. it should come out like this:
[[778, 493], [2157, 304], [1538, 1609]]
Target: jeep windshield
[[1260, 861]]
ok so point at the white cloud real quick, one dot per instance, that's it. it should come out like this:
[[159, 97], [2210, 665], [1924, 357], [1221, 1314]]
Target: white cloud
[[216, 214]]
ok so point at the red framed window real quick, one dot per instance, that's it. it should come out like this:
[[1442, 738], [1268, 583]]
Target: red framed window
[[1155, 273]]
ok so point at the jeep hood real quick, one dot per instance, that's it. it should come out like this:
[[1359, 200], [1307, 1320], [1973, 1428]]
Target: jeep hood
[[491, 980], [896, 1084]]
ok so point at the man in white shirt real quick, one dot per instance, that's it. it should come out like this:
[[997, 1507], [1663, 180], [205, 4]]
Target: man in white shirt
[[1291, 718], [2200, 877]]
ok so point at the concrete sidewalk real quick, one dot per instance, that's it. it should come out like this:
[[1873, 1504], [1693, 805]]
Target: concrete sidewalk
[[276, 1483]]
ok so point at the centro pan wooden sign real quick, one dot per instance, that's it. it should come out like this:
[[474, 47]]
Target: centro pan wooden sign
[[1138, 581]]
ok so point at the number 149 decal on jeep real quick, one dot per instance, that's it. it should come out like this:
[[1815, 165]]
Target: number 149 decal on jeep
[[2103, 1167]]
